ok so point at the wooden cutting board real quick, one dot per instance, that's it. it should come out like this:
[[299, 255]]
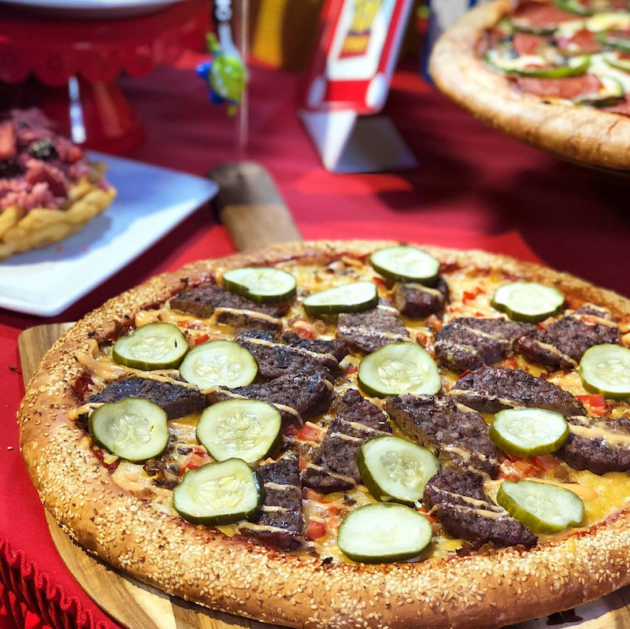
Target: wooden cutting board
[[252, 224]]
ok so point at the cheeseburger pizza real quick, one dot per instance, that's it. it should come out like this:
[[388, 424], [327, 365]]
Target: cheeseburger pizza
[[554, 74], [342, 434]]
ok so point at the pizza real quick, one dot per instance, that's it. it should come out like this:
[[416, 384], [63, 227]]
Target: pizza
[[332, 434], [49, 189], [553, 74]]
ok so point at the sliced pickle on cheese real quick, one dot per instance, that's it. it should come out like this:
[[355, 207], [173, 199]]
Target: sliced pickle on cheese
[[133, 429], [527, 66], [242, 429], [406, 264], [153, 346], [384, 533], [541, 507], [529, 431], [528, 301], [355, 297], [399, 368], [605, 369], [219, 493], [219, 364], [395, 469], [263, 285]]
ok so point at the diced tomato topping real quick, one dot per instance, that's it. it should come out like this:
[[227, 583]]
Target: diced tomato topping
[[305, 330], [315, 530], [309, 432], [463, 374], [545, 461], [471, 295], [333, 508], [195, 459], [350, 369], [302, 464], [189, 465], [380, 282], [524, 466], [311, 494], [427, 515], [596, 404], [290, 431], [201, 339]]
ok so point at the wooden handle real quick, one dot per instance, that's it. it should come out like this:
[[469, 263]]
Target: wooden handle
[[250, 206]]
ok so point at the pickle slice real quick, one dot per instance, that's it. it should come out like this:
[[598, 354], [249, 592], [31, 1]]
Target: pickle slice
[[605, 369], [355, 297], [242, 429], [399, 368], [384, 532], [541, 507], [219, 364], [529, 431], [219, 493], [528, 301], [263, 285], [153, 346], [133, 429], [395, 469], [406, 264]]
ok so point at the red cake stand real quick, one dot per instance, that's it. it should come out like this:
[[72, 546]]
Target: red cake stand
[[68, 68]]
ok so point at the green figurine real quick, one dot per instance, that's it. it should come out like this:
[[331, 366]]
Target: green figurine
[[225, 74]]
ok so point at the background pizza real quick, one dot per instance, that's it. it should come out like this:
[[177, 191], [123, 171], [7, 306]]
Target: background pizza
[[331, 432], [554, 74]]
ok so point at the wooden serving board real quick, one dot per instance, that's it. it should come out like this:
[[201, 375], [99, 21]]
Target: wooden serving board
[[252, 209]]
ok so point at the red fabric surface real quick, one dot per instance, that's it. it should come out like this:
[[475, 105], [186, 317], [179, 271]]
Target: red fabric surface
[[474, 188]]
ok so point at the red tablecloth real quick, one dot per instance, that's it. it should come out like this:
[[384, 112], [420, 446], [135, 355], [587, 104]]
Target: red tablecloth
[[474, 188]]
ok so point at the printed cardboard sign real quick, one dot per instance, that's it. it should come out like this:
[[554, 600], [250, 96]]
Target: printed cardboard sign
[[358, 47]]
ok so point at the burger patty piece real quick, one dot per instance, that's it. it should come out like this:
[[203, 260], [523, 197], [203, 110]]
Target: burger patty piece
[[280, 522], [598, 445], [370, 330], [491, 389], [175, 400], [469, 343], [563, 343], [232, 309], [418, 301], [298, 396], [458, 501], [457, 434], [334, 467], [276, 359], [339, 349]]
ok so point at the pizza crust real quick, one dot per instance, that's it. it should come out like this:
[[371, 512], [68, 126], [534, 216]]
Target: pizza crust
[[234, 576], [581, 134]]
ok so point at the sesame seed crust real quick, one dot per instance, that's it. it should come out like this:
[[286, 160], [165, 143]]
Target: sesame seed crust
[[236, 576]]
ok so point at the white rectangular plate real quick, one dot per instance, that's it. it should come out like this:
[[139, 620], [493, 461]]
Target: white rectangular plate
[[151, 201]]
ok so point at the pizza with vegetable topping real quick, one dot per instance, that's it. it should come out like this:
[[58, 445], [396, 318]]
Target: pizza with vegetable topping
[[336, 434], [554, 74]]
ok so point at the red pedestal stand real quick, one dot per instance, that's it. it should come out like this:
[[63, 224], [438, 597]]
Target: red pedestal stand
[[68, 68]]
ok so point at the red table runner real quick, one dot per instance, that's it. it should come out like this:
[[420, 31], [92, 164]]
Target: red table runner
[[474, 188]]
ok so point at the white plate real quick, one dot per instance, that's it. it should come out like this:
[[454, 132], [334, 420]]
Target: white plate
[[95, 9], [151, 202]]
